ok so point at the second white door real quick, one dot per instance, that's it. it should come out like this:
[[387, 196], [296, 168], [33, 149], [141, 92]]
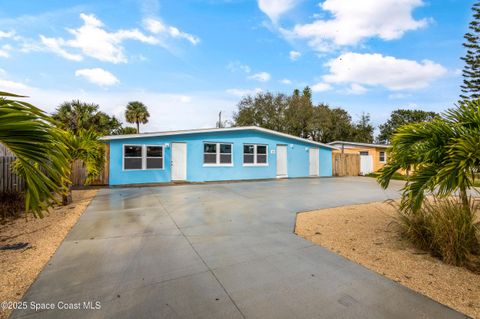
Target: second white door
[[179, 161], [314, 162], [282, 161]]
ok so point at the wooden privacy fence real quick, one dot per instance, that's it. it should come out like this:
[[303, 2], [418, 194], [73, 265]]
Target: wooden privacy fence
[[9, 182], [79, 174], [346, 164]]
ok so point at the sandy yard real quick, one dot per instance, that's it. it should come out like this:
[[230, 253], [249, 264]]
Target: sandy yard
[[19, 268], [368, 235]]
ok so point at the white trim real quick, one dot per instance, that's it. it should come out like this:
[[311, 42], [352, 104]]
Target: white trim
[[143, 157], [217, 155], [255, 154], [211, 130]]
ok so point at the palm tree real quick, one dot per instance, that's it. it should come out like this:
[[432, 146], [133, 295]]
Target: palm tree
[[77, 115], [444, 155], [42, 159], [137, 113], [85, 146]]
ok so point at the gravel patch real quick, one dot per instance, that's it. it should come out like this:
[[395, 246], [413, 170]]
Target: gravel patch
[[28, 244], [368, 235]]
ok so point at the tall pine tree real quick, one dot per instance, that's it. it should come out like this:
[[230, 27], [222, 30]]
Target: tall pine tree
[[471, 70]]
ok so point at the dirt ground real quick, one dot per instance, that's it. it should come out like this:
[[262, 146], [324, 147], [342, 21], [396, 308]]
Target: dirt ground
[[19, 268], [368, 235]]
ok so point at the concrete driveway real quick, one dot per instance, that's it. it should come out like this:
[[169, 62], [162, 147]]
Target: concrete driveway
[[218, 251]]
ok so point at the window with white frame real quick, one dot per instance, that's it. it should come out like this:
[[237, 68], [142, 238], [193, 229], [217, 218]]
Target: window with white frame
[[138, 157], [217, 154], [154, 157], [132, 157], [383, 157], [255, 154]]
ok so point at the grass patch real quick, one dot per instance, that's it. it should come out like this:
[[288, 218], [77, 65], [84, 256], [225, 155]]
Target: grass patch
[[396, 176]]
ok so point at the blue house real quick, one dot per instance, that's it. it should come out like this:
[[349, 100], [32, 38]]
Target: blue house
[[235, 153]]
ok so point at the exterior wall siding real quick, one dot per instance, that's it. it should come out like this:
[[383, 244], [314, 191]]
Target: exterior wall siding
[[297, 158]]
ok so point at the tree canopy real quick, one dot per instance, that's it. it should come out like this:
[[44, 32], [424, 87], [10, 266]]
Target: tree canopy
[[471, 70], [401, 117], [296, 114], [75, 116], [137, 113]]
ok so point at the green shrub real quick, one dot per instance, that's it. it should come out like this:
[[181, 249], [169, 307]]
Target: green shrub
[[446, 229]]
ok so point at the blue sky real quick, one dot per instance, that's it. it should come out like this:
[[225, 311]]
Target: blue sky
[[187, 60]]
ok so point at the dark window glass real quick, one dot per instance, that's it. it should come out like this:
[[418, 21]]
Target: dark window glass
[[248, 158], [133, 163], [382, 156], [363, 153], [225, 159], [154, 151], [261, 159], [247, 149], [209, 148], [261, 149], [133, 151], [210, 158], [154, 162], [225, 148]]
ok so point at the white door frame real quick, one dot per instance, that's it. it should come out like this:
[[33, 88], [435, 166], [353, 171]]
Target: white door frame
[[282, 165], [314, 162], [175, 173]]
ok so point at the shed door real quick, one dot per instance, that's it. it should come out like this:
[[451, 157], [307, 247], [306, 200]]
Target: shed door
[[314, 162], [366, 164], [282, 161], [179, 161]]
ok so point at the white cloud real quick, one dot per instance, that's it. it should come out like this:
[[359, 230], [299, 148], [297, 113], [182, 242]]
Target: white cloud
[[185, 99], [55, 45], [260, 76], [98, 76], [294, 55], [321, 87], [276, 8], [6, 85], [356, 89], [354, 21], [5, 50], [156, 26], [243, 92], [236, 66], [378, 70], [6, 34], [286, 81], [92, 40], [11, 86]]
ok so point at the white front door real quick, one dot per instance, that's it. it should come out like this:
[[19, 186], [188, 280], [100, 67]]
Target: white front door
[[179, 161], [314, 162], [282, 161]]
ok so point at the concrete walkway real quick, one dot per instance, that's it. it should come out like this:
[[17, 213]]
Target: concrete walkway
[[218, 251]]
